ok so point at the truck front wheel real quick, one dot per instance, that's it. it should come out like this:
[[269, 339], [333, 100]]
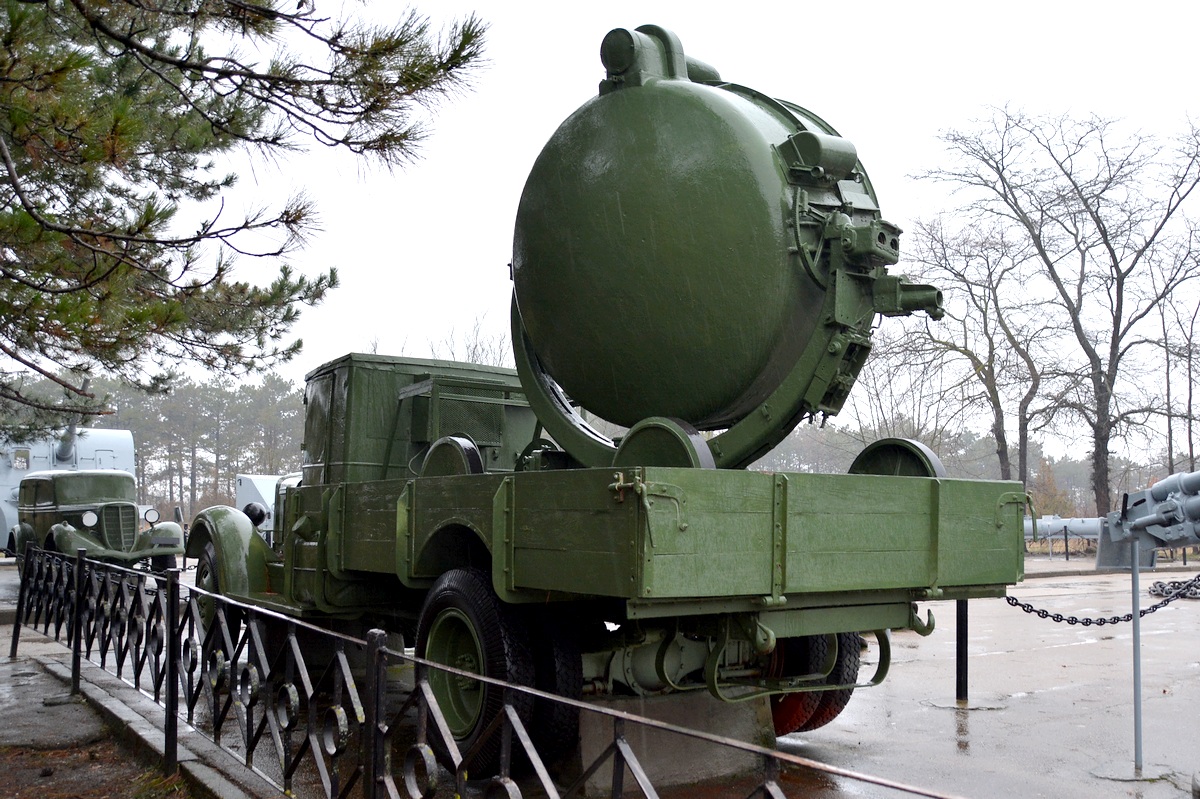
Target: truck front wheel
[[464, 624], [207, 579]]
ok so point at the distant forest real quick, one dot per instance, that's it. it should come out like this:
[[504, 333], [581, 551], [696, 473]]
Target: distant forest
[[193, 442]]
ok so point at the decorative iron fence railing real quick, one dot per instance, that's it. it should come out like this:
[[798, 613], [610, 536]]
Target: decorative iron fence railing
[[283, 696]]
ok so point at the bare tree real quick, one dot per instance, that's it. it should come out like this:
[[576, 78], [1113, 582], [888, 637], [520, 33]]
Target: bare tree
[[902, 399], [1100, 210], [476, 346], [1178, 318], [999, 334]]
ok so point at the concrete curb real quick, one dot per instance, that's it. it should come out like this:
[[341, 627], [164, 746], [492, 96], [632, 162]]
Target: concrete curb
[[139, 721]]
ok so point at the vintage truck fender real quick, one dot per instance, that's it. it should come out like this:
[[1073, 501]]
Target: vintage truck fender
[[18, 536], [242, 554], [66, 538], [164, 538]]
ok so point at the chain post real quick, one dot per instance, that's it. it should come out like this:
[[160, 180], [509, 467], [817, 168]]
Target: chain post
[[1137, 657], [960, 682]]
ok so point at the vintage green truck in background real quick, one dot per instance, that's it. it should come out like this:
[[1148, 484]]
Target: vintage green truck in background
[[95, 510], [700, 265]]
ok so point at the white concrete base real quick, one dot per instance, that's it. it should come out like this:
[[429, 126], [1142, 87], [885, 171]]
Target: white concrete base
[[668, 758]]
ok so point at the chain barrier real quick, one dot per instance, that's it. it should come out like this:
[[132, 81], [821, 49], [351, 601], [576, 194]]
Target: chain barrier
[[1176, 589], [1190, 588]]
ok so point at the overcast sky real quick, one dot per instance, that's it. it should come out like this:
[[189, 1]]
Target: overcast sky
[[425, 250]]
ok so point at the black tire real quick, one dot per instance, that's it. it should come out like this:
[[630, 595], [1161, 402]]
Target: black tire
[[159, 565], [796, 656], [208, 578], [273, 634], [845, 672], [464, 624], [557, 669]]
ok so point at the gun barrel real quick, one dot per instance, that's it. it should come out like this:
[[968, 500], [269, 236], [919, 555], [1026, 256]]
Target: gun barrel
[[1167, 512], [1047, 526], [66, 445]]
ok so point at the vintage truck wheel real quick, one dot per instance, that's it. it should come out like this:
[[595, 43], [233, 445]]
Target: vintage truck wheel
[[465, 625], [207, 579], [796, 656], [558, 669], [809, 710], [845, 672]]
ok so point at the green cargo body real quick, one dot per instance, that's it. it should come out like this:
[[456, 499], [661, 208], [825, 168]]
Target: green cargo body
[[703, 536], [674, 541], [386, 507]]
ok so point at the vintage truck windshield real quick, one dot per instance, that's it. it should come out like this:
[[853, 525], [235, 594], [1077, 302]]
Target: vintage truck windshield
[[94, 488]]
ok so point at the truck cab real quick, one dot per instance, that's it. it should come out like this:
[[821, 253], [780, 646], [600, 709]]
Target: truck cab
[[95, 510]]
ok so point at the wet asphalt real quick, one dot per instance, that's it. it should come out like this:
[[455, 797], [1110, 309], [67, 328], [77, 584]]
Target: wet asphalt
[[1049, 712], [1050, 706]]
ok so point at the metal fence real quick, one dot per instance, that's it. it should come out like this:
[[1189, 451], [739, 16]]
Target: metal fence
[[284, 697]]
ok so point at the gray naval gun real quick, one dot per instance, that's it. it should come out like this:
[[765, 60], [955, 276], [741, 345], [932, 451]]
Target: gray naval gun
[[1164, 515], [1167, 514]]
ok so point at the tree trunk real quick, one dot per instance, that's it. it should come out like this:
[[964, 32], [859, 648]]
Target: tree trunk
[[192, 482], [1002, 446], [1023, 449]]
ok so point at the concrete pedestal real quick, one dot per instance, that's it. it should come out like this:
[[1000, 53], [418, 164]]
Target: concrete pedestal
[[669, 758]]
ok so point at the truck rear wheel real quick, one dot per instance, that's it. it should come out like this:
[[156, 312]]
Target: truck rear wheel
[[845, 672], [558, 669], [464, 624], [794, 657], [801, 712]]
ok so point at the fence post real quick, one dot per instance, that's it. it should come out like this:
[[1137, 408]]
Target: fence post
[[375, 751], [21, 600], [618, 767], [174, 651], [77, 624]]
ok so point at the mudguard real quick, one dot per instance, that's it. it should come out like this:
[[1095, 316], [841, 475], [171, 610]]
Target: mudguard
[[21, 534], [242, 554], [161, 538], [165, 538]]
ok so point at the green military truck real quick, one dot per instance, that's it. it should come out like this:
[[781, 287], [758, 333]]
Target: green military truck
[[95, 510], [701, 266]]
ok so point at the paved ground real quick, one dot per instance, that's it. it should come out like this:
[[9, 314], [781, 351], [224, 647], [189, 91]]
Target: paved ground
[[1050, 711], [1050, 706]]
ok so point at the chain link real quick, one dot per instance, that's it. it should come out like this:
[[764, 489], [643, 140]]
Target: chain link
[[1177, 589]]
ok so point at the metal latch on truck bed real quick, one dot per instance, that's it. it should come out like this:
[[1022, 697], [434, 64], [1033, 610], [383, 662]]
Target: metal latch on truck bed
[[648, 491]]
